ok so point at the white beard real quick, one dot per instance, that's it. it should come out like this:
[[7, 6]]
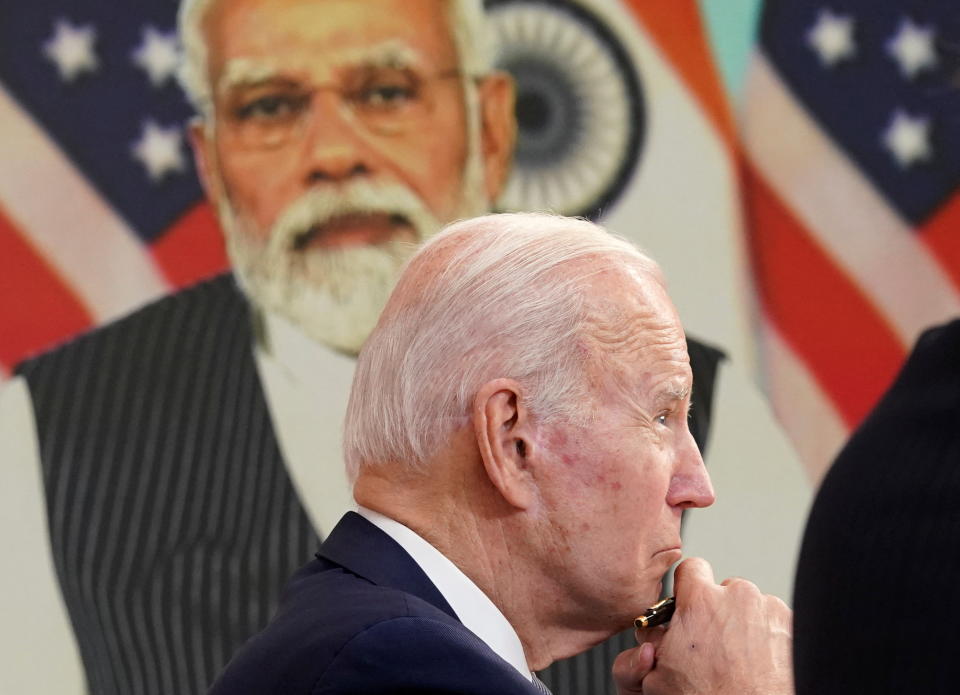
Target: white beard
[[335, 295]]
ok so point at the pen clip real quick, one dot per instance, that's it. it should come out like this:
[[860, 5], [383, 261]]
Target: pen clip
[[658, 613]]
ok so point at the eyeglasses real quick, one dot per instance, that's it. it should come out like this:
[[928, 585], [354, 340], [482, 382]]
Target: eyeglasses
[[383, 100]]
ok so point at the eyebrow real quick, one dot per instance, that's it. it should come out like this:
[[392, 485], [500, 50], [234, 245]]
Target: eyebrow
[[389, 54], [672, 393], [246, 72]]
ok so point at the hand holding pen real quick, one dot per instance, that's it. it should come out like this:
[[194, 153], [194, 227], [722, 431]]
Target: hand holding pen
[[722, 639]]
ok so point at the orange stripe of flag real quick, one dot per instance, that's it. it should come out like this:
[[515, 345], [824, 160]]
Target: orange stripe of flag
[[677, 28], [844, 342], [37, 308]]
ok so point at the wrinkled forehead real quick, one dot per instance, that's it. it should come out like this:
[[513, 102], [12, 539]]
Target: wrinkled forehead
[[630, 318], [316, 39]]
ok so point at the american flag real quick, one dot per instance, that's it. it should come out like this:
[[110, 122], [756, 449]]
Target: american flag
[[100, 208], [852, 135]]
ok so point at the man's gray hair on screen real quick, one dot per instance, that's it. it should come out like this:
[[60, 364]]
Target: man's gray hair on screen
[[509, 301]]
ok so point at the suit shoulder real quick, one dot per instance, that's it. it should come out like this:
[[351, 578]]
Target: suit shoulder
[[322, 609], [170, 320], [418, 654], [332, 627]]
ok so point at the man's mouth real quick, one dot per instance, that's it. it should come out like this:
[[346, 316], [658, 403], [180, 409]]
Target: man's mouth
[[355, 229]]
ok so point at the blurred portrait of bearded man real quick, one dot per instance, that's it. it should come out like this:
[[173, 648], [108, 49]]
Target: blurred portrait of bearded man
[[330, 153]]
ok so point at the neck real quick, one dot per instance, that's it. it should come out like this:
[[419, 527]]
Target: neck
[[492, 543]]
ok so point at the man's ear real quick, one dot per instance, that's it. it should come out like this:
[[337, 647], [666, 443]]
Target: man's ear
[[201, 141], [499, 129], [504, 433]]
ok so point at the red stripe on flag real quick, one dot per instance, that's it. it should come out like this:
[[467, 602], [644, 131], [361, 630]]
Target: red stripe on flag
[[942, 235], [845, 343], [192, 248], [678, 30], [37, 309]]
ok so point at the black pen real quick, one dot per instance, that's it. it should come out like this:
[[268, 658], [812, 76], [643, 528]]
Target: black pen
[[657, 614]]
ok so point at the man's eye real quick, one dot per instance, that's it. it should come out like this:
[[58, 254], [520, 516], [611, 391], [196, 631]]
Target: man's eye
[[662, 418], [382, 96], [271, 107]]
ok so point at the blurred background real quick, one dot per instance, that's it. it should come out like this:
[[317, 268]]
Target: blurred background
[[793, 165]]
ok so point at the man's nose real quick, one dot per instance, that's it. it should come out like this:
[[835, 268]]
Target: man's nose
[[690, 485], [334, 148]]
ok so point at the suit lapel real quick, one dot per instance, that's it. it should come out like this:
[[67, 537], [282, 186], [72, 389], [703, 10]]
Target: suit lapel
[[360, 547]]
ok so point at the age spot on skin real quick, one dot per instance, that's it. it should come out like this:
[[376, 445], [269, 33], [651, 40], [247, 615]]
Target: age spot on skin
[[557, 439]]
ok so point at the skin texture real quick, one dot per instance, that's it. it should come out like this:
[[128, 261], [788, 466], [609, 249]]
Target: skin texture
[[309, 44], [724, 639], [342, 134], [568, 528], [633, 465]]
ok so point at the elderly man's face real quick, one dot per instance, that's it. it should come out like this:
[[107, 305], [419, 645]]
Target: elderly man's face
[[623, 479], [340, 136]]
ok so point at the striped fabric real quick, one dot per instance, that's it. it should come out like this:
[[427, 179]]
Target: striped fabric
[[853, 195], [173, 522], [541, 686], [588, 672], [171, 546], [91, 227], [119, 236]]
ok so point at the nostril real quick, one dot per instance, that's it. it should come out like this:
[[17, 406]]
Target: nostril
[[318, 177], [327, 174]]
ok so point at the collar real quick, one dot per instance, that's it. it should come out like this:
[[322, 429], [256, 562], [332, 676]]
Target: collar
[[306, 386], [473, 607]]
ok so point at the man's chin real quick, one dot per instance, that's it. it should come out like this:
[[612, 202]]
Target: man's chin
[[335, 296], [326, 322]]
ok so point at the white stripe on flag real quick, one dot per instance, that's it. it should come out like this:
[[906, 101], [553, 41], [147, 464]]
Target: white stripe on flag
[[841, 210], [805, 411], [65, 219]]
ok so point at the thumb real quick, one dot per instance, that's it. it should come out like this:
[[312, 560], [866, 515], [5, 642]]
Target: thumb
[[631, 667]]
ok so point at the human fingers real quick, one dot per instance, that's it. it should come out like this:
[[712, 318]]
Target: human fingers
[[781, 615], [651, 635], [632, 666], [692, 572], [724, 639], [731, 580]]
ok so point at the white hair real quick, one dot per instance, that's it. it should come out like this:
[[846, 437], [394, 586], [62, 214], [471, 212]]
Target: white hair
[[509, 301], [466, 18]]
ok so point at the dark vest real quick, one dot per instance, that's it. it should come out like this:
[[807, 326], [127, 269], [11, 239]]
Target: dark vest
[[173, 521]]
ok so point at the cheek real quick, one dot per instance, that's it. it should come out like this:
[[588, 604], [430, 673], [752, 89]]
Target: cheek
[[435, 174], [258, 190], [433, 161]]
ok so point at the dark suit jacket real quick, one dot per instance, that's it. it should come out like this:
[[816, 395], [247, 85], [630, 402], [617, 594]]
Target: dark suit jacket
[[877, 598], [364, 618]]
